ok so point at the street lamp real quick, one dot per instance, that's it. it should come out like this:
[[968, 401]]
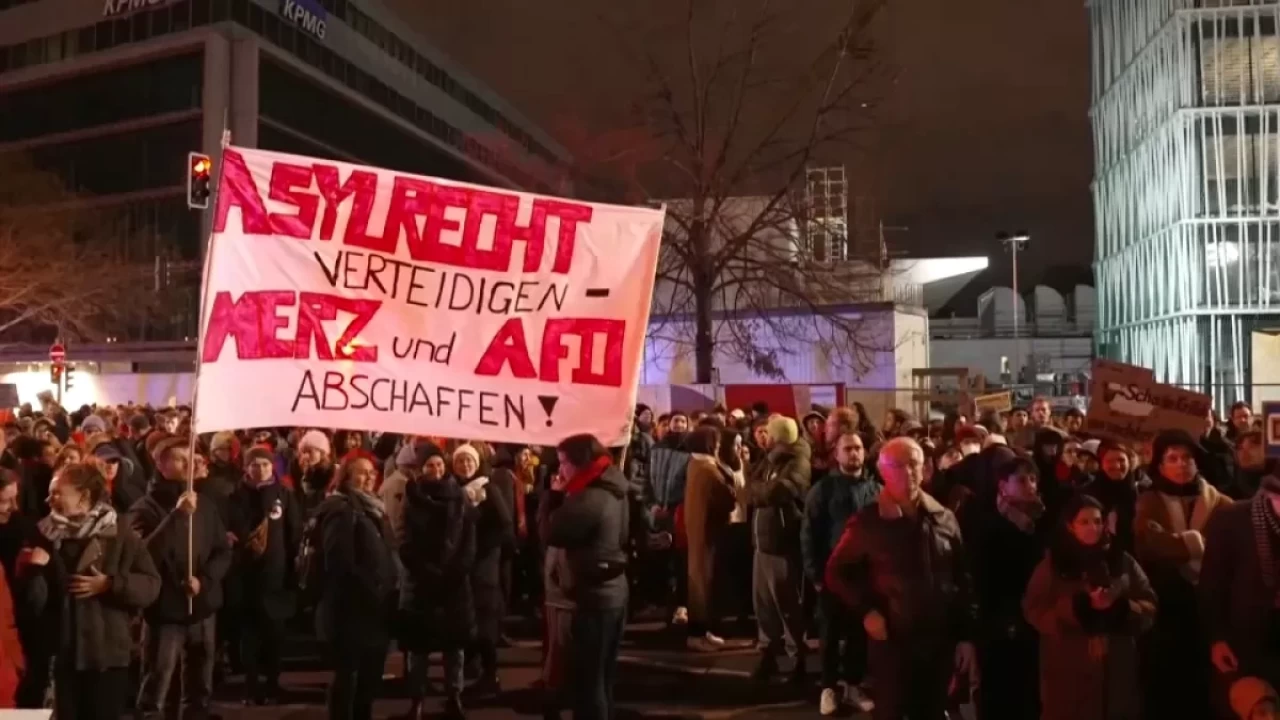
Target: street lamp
[[1015, 242]]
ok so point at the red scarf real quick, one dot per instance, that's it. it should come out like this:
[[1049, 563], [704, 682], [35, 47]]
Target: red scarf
[[588, 475]]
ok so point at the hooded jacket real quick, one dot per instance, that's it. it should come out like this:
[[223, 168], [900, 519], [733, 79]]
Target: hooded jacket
[[593, 526], [776, 489]]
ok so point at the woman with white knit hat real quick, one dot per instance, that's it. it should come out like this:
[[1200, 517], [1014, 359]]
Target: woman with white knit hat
[[495, 533], [312, 469]]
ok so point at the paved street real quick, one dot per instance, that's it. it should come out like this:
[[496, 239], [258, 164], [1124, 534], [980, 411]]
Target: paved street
[[657, 679]]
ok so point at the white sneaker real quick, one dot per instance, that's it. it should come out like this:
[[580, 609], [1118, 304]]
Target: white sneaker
[[829, 704], [715, 640], [857, 698], [681, 617], [701, 644]]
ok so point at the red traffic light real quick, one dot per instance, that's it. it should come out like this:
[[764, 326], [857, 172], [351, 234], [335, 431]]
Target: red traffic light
[[199, 180]]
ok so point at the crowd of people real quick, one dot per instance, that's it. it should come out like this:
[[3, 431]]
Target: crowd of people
[[1014, 563]]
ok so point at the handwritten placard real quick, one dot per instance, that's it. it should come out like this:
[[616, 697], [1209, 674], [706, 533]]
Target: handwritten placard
[[344, 296]]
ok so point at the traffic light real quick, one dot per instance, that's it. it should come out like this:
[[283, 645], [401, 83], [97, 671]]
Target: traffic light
[[71, 371], [55, 374], [199, 176]]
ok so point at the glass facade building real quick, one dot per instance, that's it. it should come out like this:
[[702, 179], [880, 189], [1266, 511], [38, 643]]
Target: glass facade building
[[1186, 121], [113, 94]]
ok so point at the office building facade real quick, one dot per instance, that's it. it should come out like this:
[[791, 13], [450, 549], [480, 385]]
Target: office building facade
[[1186, 118], [113, 94]]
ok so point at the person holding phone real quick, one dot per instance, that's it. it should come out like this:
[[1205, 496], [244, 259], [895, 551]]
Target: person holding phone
[[1089, 600]]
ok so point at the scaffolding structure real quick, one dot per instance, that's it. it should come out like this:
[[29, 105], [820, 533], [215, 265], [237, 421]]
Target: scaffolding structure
[[1186, 124], [826, 232]]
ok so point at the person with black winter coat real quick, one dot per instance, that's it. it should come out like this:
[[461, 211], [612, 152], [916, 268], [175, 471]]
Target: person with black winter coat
[[495, 535], [36, 473], [1060, 479], [84, 581], [592, 527], [265, 530], [357, 594], [775, 491], [311, 471], [438, 554], [180, 625], [1116, 488], [1251, 465], [1215, 456], [1006, 542]]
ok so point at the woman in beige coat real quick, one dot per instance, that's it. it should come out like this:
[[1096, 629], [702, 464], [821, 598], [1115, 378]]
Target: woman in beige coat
[[708, 502], [1168, 540]]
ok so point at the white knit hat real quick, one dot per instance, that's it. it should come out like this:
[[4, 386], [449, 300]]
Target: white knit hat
[[467, 450], [317, 440]]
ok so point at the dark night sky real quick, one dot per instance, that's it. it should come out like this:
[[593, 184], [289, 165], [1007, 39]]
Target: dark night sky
[[985, 129]]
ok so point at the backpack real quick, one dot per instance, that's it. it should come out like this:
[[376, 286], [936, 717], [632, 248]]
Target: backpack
[[309, 564]]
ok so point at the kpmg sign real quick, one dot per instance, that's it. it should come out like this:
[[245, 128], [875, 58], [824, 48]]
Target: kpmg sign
[[306, 14], [115, 8]]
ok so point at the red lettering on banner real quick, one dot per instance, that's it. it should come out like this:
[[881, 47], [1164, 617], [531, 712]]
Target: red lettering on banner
[[361, 183], [286, 182], [586, 329], [236, 188], [534, 234], [509, 346], [253, 321], [411, 200]]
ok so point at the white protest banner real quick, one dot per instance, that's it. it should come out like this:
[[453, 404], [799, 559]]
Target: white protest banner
[[341, 296]]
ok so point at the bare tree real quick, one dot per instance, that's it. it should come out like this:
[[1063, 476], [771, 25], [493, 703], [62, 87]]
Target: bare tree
[[64, 269], [738, 106]]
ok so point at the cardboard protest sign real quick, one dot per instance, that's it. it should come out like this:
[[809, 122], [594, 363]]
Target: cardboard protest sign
[[994, 402], [342, 296], [1271, 427], [1128, 404]]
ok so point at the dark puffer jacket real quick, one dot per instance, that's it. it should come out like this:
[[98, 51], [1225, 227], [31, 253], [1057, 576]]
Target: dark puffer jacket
[[438, 554], [776, 490], [593, 527]]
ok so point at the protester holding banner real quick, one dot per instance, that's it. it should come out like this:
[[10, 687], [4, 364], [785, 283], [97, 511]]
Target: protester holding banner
[[180, 625]]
